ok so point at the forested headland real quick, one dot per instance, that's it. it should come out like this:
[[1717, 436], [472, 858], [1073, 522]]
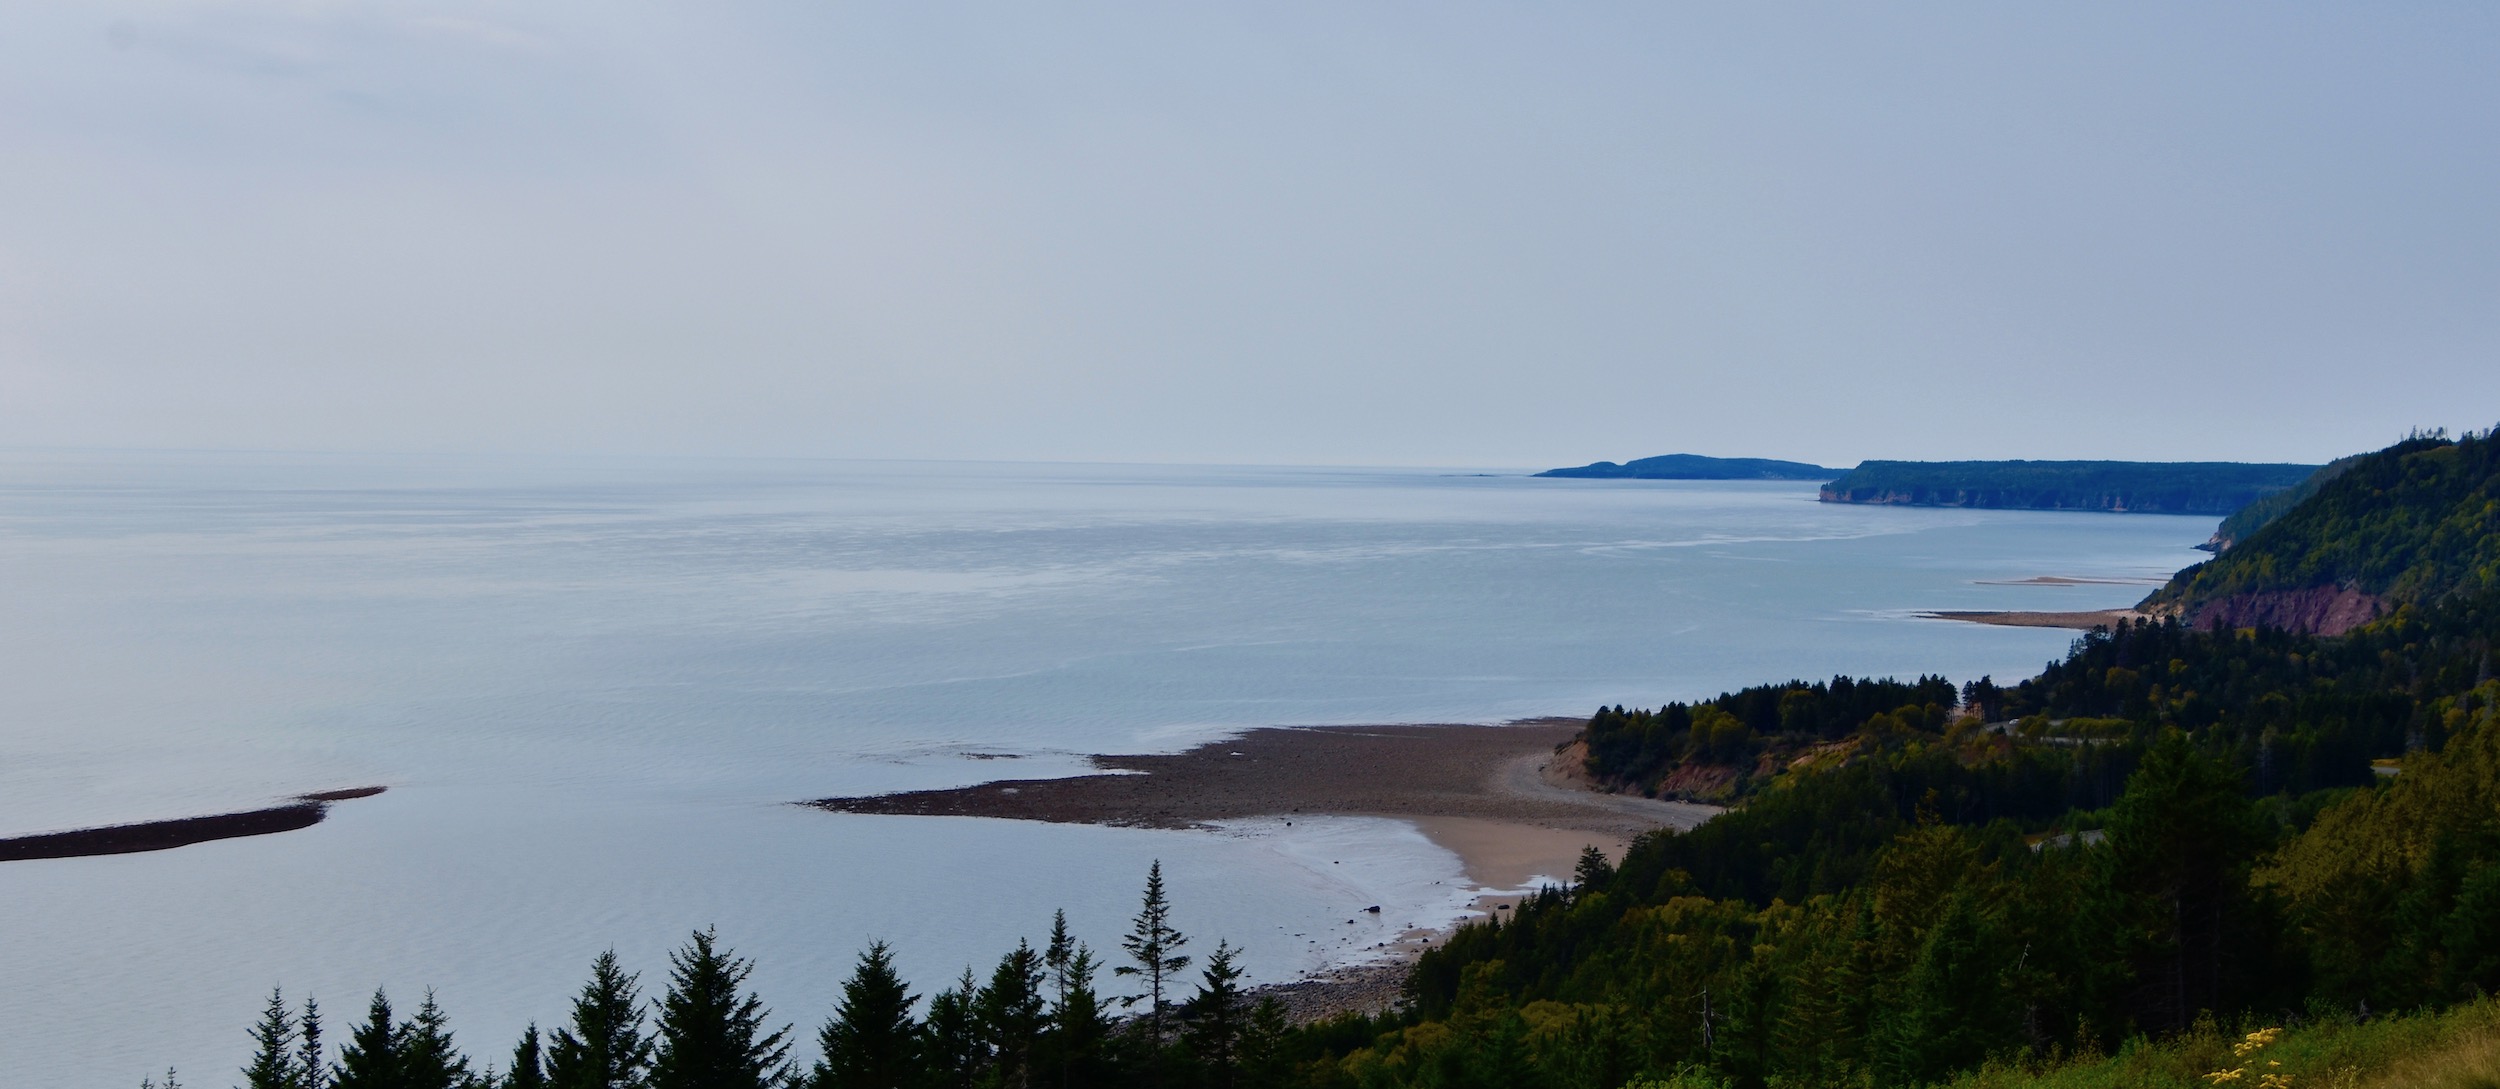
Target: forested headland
[[2415, 525], [1696, 467], [2111, 873], [2142, 487]]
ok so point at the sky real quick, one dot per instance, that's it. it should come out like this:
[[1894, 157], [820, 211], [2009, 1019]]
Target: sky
[[1326, 233]]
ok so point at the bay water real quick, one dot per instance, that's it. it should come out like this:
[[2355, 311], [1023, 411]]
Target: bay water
[[594, 687]]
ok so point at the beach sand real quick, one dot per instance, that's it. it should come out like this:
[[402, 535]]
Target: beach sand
[[1510, 801], [1502, 798], [2079, 621]]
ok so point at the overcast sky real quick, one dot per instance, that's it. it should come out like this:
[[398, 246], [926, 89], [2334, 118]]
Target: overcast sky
[[1429, 233]]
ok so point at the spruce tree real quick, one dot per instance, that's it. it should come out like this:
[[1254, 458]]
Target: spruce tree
[[871, 1042], [951, 1039], [1215, 1017], [529, 1062], [711, 1031], [1011, 1015], [375, 1056], [605, 1047], [428, 1058], [309, 1070], [273, 1048], [1073, 1049], [1154, 945]]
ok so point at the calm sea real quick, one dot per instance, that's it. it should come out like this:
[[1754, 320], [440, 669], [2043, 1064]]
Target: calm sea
[[593, 686]]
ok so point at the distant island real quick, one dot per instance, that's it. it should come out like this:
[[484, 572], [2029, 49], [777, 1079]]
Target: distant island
[[2142, 487], [1697, 467]]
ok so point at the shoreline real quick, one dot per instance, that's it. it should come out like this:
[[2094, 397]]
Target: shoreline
[[2084, 620], [304, 811], [1509, 801]]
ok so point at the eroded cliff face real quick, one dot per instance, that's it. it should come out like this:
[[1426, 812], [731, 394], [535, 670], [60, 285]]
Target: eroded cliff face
[[2318, 610]]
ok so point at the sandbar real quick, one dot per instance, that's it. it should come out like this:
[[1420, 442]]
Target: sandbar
[[304, 811], [1506, 799], [2079, 621]]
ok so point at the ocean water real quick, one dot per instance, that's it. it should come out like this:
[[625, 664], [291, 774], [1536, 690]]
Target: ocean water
[[592, 688]]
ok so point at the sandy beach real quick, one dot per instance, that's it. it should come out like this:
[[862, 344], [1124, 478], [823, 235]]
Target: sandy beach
[[1502, 798], [2079, 621], [1510, 801]]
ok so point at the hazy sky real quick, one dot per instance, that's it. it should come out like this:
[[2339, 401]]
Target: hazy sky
[[1427, 233]]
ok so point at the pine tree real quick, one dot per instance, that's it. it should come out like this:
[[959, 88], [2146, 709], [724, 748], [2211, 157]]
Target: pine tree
[[1154, 945], [1073, 1049], [871, 1042], [1265, 1064], [1011, 1015], [1215, 1013], [428, 1058], [376, 1053], [711, 1031], [605, 1047], [529, 1063], [273, 1048], [309, 1070], [951, 1038]]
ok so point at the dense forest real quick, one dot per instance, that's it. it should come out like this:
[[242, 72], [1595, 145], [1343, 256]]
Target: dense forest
[[2168, 832], [2249, 519], [1697, 467], [2414, 523], [2144, 487]]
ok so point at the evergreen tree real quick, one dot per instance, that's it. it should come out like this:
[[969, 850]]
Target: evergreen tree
[[871, 1042], [1215, 1017], [711, 1030], [1079, 1028], [309, 1069], [1265, 1064], [1011, 1015], [952, 1037], [428, 1059], [375, 1056], [529, 1062], [605, 1047], [1155, 946], [273, 1048]]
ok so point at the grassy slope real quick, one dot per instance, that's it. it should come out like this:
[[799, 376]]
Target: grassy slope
[[2456, 1049]]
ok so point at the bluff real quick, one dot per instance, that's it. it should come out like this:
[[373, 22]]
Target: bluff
[[2143, 487], [1697, 467], [2413, 524]]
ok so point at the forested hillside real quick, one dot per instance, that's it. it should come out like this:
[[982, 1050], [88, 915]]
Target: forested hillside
[[2143, 487], [2412, 524], [2249, 519]]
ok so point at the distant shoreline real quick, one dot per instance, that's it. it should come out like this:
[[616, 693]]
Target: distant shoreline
[[304, 811], [2078, 621]]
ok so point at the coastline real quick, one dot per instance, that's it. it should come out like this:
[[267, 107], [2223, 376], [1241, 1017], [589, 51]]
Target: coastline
[[2078, 621], [1509, 801]]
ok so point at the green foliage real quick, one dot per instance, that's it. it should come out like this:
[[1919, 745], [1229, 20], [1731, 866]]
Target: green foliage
[[871, 1042], [2455, 1049], [2149, 487], [2249, 519], [605, 1047], [711, 1029], [273, 1048], [529, 1062], [1154, 948], [2414, 523], [1635, 749]]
